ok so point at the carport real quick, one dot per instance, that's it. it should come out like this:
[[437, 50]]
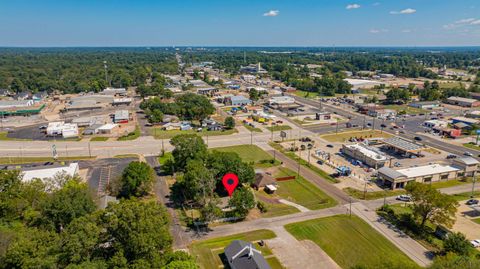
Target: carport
[[403, 147]]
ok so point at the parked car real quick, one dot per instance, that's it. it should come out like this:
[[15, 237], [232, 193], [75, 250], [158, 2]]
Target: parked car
[[42, 127], [404, 198], [475, 243], [451, 156], [466, 153], [417, 138], [329, 146], [472, 202]]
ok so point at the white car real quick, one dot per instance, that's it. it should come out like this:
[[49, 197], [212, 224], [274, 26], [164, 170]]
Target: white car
[[475, 243], [404, 198]]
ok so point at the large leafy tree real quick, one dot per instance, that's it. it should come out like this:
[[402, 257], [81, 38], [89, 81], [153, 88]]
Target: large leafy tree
[[136, 180], [242, 201], [432, 205], [199, 182], [137, 232], [458, 244], [64, 205], [187, 147], [194, 106]]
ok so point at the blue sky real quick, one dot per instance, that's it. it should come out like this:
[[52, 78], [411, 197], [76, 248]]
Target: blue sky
[[239, 22]]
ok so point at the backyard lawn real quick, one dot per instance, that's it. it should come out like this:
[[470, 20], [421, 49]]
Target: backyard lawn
[[343, 137], [162, 134], [274, 209], [209, 253], [276, 128], [350, 242], [251, 153], [301, 191], [98, 139]]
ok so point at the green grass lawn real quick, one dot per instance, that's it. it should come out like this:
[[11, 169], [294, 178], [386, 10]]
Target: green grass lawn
[[276, 128], [23, 160], [251, 153], [343, 137], [99, 139], [477, 220], [208, 253], [471, 146], [304, 163], [253, 129], [350, 241], [465, 195], [372, 195], [274, 209], [132, 135], [124, 156], [166, 156], [301, 191], [450, 183], [305, 94], [162, 134]]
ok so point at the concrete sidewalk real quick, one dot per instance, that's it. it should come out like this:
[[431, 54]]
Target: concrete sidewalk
[[409, 246]]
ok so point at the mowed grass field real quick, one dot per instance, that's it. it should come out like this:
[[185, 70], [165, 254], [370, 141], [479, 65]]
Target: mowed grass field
[[342, 137], [209, 253], [251, 153], [350, 242], [301, 191], [276, 128], [158, 133]]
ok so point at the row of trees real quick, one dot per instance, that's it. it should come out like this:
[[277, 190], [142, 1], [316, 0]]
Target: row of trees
[[188, 106], [202, 171], [55, 224], [81, 70]]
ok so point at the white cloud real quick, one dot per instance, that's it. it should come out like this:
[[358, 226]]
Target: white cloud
[[462, 23], [376, 4], [271, 13], [378, 31], [405, 11], [352, 6]]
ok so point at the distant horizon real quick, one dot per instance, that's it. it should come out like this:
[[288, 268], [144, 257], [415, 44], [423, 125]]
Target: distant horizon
[[245, 46]]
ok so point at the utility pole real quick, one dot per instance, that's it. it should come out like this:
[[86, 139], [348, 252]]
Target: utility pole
[[473, 187], [364, 119], [373, 124], [89, 150]]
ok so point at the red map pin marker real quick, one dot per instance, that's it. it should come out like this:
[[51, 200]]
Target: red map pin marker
[[230, 182]]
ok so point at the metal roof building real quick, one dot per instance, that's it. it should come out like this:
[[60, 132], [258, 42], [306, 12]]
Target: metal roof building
[[242, 255]]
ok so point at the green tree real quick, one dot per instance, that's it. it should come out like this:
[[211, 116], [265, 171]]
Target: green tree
[[194, 106], [210, 211], [136, 231], [155, 116], [64, 205], [187, 147], [453, 261], [253, 94], [242, 200], [396, 95], [80, 240], [136, 180], [432, 205], [198, 182], [458, 244], [229, 122]]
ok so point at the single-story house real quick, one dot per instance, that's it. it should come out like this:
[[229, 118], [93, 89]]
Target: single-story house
[[170, 126], [108, 128], [262, 179], [121, 116]]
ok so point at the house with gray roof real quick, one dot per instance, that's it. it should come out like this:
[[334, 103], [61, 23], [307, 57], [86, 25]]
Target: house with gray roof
[[243, 255]]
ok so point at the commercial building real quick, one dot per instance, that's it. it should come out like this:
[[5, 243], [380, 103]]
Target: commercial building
[[13, 104], [238, 100], [66, 130], [435, 123], [425, 105], [465, 120], [382, 113], [281, 100], [367, 155], [461, 101], [108, 128], [49, 172], [402, 146], [121, 116], [253, 69], [89, 121], [122, 101], [473, 114], [243, 255], [323, 116], [460, 167], [115, 91]]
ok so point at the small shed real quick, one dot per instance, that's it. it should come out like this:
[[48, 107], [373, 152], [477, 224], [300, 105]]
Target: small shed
[[262, 179]]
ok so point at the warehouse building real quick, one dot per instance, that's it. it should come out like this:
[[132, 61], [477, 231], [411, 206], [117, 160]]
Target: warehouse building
[[425, 105], [367, 155], [237, 100], [461, 101], [12, 104], [49, 172], [115, 91]]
